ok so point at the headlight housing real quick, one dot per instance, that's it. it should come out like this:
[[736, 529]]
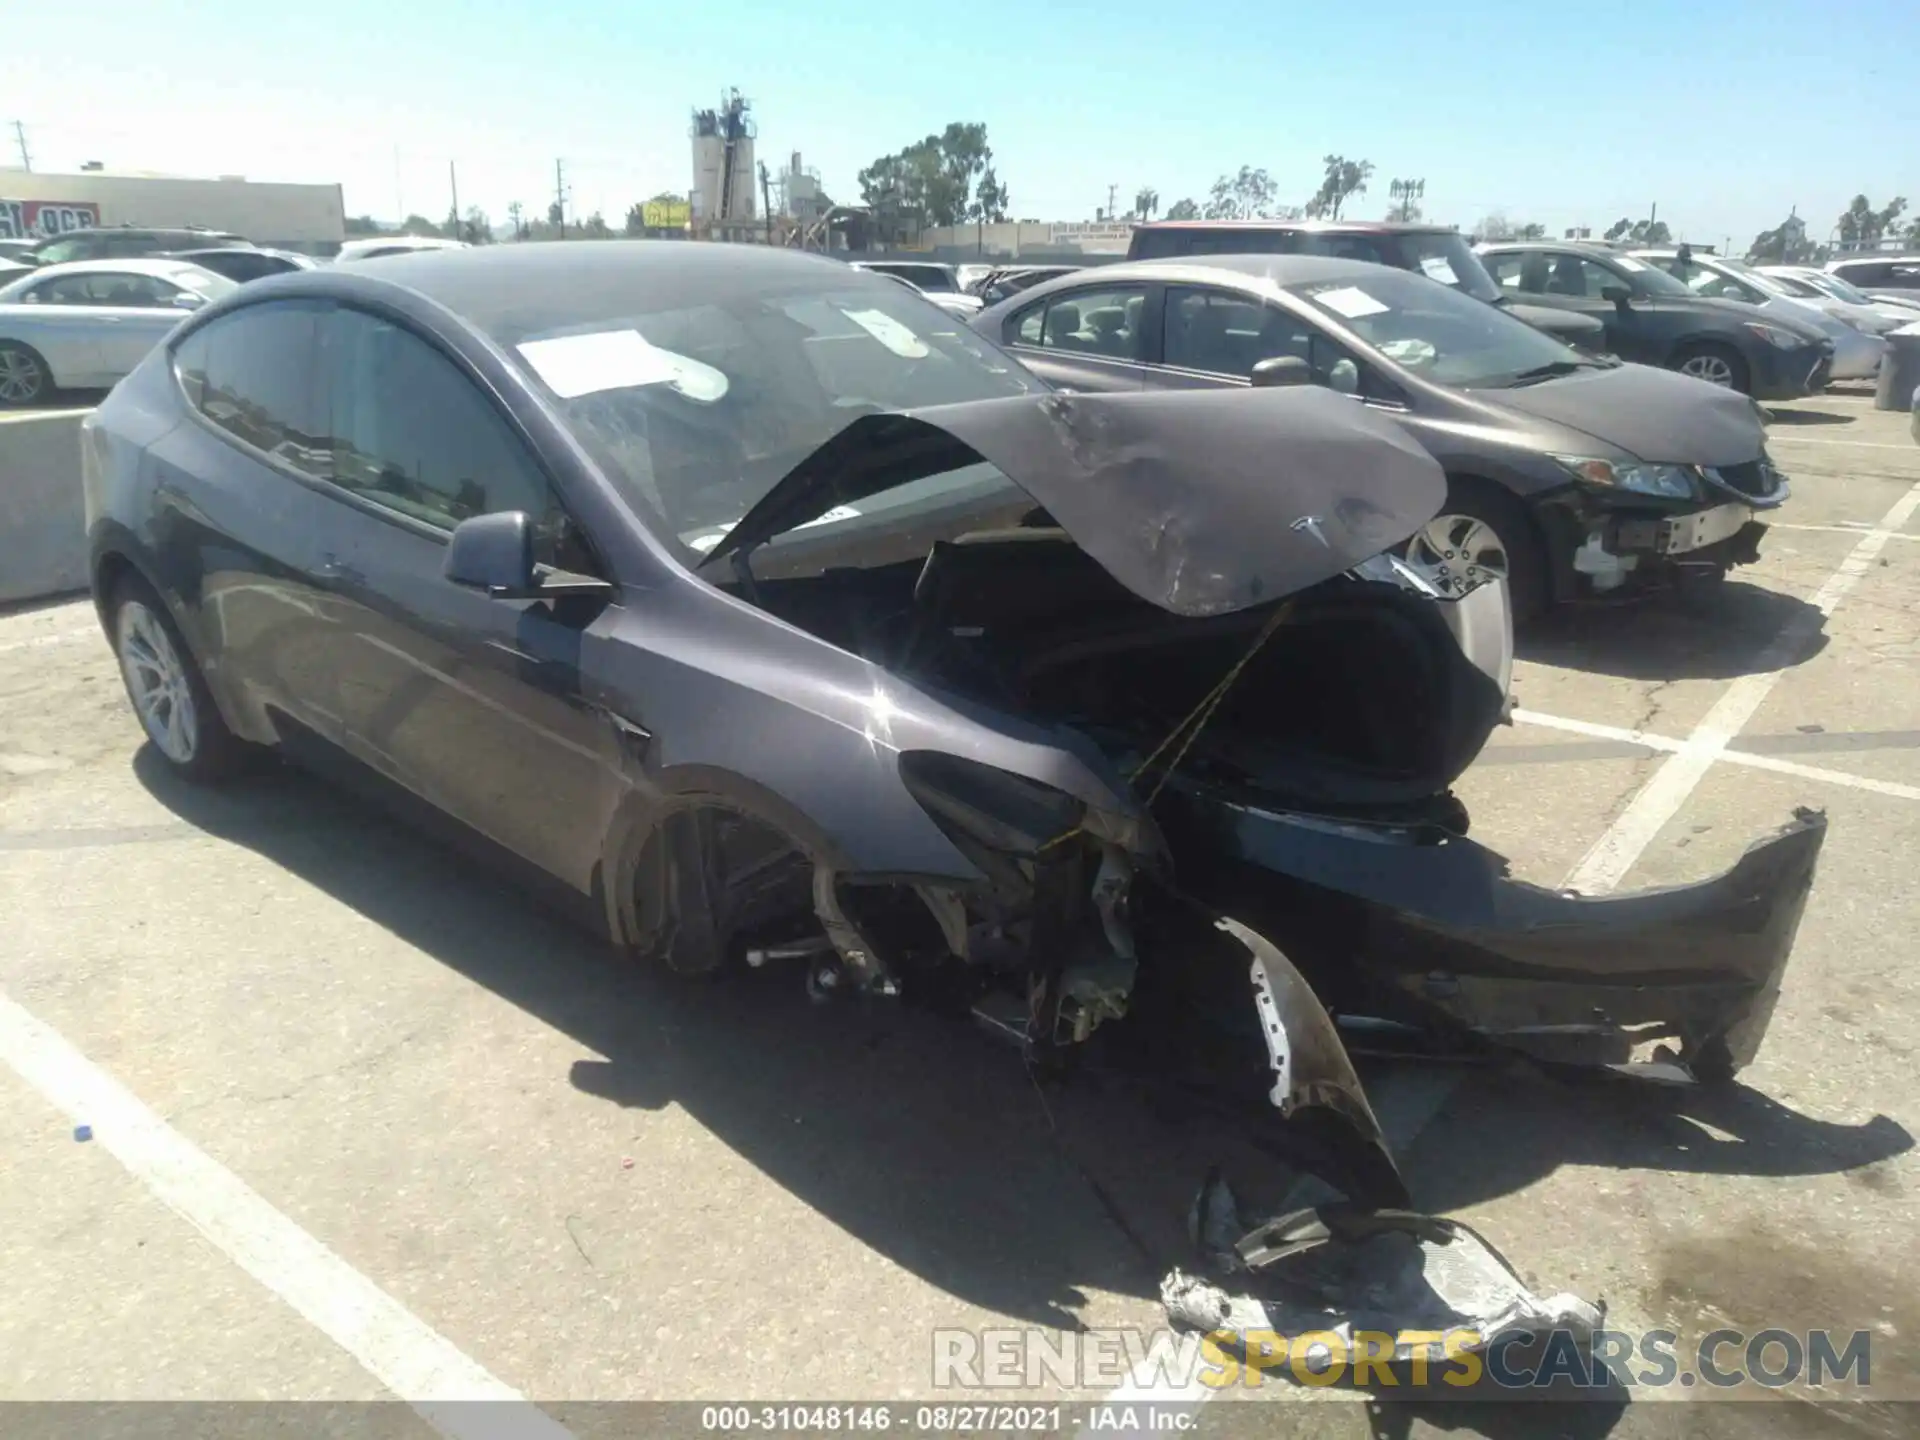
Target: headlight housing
[[1775, 336], [1669, 482]]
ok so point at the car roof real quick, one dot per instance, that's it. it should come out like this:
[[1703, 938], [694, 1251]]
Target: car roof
[[1250, 272], [138, 265], [1350, 227], [546, 285], [1597, 252]]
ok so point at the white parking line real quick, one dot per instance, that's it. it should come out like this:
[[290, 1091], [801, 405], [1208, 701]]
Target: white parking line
[[1839, 530], [62, 637], [1660, 799], [395, 1346], [1728, 757], [1776, 439]]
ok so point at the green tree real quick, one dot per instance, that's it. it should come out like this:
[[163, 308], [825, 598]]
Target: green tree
[[362, 225], [1498, 227], [1343, 180], [1863, 227], [1248, 195], [1145, 203], [1785, 244], [1184, 210], [1640, 232], [936, 181], [595, 227], [418, 225], [477, 228], [636, 222]]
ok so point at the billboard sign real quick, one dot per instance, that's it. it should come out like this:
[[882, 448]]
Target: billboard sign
[[35, 219], [666, 214]]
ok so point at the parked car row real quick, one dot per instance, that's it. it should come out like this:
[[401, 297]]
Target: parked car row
[[82, 324], [1569, 474], [744, 600]]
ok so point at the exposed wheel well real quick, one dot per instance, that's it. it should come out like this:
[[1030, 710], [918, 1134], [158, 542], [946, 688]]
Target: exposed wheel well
[[108, 571]]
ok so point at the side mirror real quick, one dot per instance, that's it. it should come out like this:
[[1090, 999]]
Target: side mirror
[[1281, 370], [1618, 294], [494, 554], [186, 301]]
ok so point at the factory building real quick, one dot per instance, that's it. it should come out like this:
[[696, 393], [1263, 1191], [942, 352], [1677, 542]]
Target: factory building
[[311, 218]]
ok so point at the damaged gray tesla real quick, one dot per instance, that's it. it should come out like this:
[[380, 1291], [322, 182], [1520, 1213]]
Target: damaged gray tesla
[[781, 618]]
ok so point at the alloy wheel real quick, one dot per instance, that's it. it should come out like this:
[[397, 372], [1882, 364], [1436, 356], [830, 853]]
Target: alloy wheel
[[1459, 553], [1710, 368], [22, 378], [158, 682]]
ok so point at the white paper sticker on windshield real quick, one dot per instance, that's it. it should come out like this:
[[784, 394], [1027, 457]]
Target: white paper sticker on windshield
[[1627, 262], [1438, 267], [576, 365], [1350, 301], [704, 543], [838, 512], [890, 333]]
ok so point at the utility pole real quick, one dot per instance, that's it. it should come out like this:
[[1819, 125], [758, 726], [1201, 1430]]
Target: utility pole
[[1112, 191], [453, 220], [560, 196], [20, 135]]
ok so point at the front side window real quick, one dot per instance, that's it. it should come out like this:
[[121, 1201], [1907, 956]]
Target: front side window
[[67, 249], [1226, 334], [411, 432], [255, 374], [1107, 323], [1437, 332], [106, 288]]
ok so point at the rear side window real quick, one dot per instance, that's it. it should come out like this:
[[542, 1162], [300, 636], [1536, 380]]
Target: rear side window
[[255, 374], [1107, 323], [412, 433]]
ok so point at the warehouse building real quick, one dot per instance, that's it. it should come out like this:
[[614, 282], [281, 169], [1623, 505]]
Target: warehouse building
[[310, 218]]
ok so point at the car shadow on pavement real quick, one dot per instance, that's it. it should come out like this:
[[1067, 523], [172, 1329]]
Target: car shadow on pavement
[[1778, 416], [1509, 1126], [1717, 633], [920, 1136]]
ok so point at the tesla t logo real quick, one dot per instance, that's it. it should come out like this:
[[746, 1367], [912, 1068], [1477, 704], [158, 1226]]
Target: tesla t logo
[[1310, 525]]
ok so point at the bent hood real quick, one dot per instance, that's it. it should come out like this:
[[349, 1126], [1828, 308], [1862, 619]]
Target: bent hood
[[1654, 415], [1199, 502]]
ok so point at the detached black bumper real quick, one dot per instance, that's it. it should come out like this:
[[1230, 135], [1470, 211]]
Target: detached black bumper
[[1435, 935]]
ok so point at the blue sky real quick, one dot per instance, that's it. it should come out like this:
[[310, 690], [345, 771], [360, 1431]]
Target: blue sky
[[1724, 115]]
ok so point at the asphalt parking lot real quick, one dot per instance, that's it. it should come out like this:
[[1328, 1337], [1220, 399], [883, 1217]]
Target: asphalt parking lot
[[368, 1126]]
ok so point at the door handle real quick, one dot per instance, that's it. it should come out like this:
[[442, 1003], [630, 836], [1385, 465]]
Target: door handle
[[332, 567]]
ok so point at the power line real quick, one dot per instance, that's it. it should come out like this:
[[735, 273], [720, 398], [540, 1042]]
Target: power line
[[559, 211]]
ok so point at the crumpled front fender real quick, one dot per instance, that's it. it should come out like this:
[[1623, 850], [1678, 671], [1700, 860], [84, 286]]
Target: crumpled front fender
[[1437, 935]]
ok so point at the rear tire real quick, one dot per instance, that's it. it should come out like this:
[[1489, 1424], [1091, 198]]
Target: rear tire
[[1715, 364], [164, 685], [25, 380], [1474, 502]]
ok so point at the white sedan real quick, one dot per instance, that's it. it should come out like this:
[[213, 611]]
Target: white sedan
[[81, 326]]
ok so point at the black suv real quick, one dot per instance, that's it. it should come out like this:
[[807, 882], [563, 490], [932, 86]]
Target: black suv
[[1436, 251], [1655, 319], [126, 242]]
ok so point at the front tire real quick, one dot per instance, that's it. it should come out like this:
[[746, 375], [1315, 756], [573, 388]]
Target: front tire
[[1714, 364], [168, 694], [1483, 532], [25, 379]]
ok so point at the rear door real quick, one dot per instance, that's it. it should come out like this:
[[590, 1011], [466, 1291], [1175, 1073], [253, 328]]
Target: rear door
[[136, 313], [475, 705], [1568, 280], [1093, 338], [1213, 338], [241, 518]]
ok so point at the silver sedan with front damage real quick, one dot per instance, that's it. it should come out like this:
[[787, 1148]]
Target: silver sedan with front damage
[[760, 608], [83, 325]]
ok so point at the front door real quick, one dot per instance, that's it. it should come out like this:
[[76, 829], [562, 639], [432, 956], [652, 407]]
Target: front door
[[1567, 280], [474, 704]]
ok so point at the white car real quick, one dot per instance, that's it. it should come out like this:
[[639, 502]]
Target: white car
[[83, 325], [1882, 275], [375, 246], [939, 283], [1900, 312], [1856, 354]]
